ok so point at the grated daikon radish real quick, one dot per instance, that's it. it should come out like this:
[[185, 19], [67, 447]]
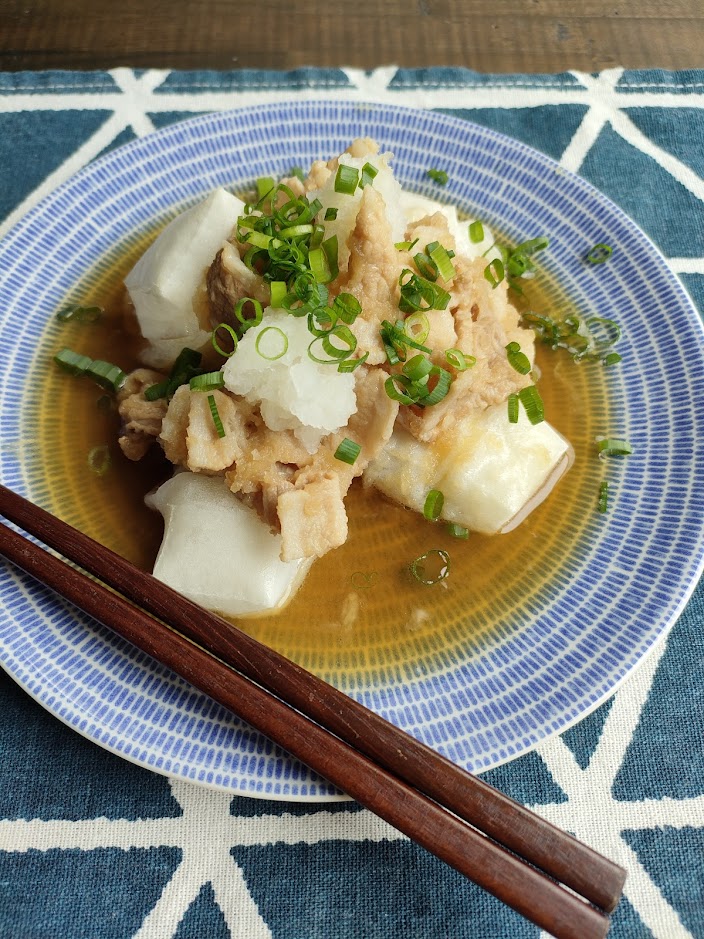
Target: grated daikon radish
[[293, 391]]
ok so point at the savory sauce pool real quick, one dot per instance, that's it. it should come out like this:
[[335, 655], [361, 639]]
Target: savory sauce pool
[[360, 617]]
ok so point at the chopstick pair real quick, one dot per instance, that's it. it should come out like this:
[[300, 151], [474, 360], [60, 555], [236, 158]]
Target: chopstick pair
[[406, 783]]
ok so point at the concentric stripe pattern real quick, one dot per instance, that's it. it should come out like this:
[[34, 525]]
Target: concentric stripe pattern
[[607, 606]]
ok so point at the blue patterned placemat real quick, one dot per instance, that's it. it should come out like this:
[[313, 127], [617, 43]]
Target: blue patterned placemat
[[91, 846]]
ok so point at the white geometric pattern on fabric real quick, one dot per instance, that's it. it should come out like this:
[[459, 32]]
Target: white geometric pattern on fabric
[[207, 831], [590, 811]]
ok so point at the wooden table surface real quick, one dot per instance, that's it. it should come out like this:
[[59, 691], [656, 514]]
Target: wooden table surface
[[486, 35]]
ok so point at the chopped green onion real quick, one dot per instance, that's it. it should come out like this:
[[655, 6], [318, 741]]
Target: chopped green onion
[[215, 414], [603, 497], [331, 253], [319, 265], [347, 307], [349, 365], [457, 531], [108, 376], [397, 388], [347, 451], [476, 232], [72, 362], [438, 176], [513, 409], [295, 231], [518, 262], [99, 460], [413, 385], [255, 259], [417, 327], [316, 238], [296, 211], [571, 334], [434, 502], [442, 386], [297, 171], [611, 327], [160, 390], [249, 321], [516, 359], [233, 336], [323, 261], [258, 239], [83, 314], [278, 351], [426, 267], [418, 368], [432, 567], [185, 365], [183, 369], [599, 253], [418, 293], [208, 381], [331, 214], [362, 580], [395, 341], [335, 354], [494, 272], [533, 404], [265, 185], [368, 174], [105, 374], [441, 259], [405, 245], [278, 292], [321, 321], [346, 179], [526, 249], [460, 360], [612, 446]]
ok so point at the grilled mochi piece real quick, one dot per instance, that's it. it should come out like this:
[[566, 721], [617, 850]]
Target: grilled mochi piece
[[492, 473], [218, 552]]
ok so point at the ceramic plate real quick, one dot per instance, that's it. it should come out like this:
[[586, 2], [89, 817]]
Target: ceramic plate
[[594, 597]]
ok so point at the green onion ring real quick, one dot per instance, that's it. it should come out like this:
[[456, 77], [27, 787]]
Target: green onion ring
[[420, 567], [599, 253], [216, 345], [348, 451], [434, 502], [284, 343], [613, 446], [99, 460]]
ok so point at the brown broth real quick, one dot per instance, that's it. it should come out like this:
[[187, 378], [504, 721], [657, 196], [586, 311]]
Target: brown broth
[[359, 617]]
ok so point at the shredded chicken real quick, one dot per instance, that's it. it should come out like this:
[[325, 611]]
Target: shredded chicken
[[141, 419]]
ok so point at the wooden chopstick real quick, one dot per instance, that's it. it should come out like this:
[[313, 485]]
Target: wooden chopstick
[[394, 799]]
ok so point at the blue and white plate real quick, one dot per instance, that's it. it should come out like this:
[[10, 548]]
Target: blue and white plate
[[613, 593]]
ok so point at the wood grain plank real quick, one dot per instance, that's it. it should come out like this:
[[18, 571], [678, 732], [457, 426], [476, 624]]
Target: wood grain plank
[[508, 35]]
